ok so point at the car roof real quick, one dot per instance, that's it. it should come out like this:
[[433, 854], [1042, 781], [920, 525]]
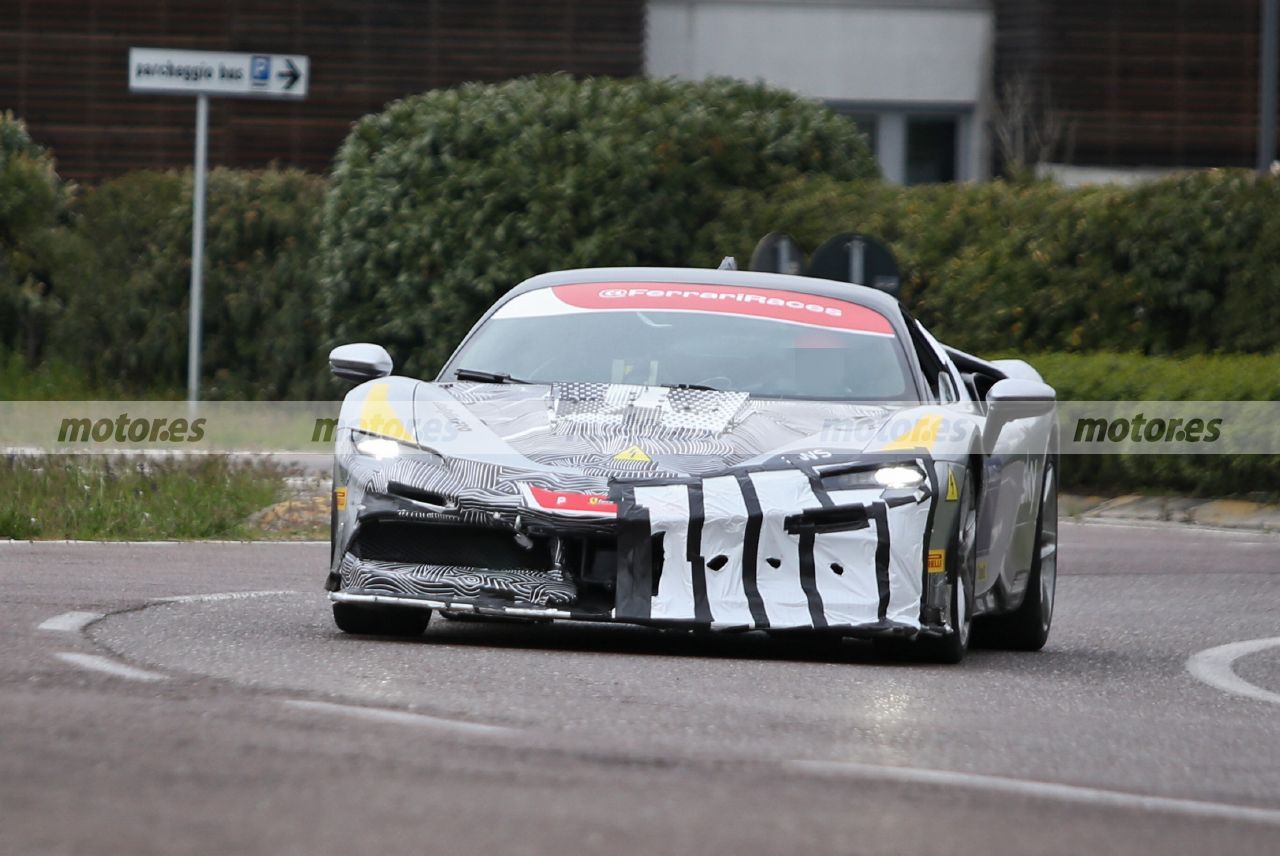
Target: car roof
[[862, 295]]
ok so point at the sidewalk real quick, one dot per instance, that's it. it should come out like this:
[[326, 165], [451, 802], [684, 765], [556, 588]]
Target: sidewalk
[[1222, 513]]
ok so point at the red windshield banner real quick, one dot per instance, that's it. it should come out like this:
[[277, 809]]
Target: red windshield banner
[[789, 306]]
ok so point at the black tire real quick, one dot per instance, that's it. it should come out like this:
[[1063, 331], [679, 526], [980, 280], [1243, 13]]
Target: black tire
[[380, 621], [1027, 627], [952, 647]]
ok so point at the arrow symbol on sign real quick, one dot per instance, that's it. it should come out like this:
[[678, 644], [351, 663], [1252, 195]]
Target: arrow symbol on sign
[[292, 75]]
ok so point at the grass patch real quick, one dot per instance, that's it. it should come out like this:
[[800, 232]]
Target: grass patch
[[57, 380], [135, 498]]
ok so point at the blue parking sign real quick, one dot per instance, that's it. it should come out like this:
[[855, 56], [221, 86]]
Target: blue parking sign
[[260, 70]]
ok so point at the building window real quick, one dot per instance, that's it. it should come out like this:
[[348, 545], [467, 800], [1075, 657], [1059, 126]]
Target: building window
[[931, 149]]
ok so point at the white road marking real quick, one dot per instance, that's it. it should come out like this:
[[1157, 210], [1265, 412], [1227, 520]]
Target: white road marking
[[401, 717], [94, 663], [69, 622], [1213, 667], [1043, 790], [218, 596]]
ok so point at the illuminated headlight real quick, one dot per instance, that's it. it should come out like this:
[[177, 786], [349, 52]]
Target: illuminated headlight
[[379, 448], [386, 449], [893, 477], [899, 477]]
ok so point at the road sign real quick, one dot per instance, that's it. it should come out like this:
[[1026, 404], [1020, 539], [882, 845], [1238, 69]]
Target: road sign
[[164, 71], [161, 71], [860, 259], [778, 252]]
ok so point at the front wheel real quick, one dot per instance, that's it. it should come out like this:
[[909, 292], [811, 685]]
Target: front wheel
[[1027, 627], [380, 621]]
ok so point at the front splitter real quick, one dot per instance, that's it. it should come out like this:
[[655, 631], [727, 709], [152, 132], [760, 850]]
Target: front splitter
[[883, 629]]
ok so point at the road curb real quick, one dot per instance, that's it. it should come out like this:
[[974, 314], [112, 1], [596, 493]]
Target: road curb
[[1187, 511]]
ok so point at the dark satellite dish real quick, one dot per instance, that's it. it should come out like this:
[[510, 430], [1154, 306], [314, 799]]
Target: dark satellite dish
[[778, 252], [860, 259]]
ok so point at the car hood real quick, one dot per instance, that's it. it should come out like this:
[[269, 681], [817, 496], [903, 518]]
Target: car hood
[[614, 430]]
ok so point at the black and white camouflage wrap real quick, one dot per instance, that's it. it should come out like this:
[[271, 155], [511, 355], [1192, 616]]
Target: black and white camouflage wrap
[[479, 447], [454, 582], [731, 559]]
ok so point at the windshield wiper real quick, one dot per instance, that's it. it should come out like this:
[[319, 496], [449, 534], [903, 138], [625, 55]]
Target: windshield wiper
[[700, 387], [479, 376]]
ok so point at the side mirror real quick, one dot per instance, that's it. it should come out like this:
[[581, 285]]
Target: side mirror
[[360, 361], [1022, 397], [1012, 399]]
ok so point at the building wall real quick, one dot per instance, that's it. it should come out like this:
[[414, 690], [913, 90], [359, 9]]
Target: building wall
[[898, 66], [63, 68], [1157, 83]]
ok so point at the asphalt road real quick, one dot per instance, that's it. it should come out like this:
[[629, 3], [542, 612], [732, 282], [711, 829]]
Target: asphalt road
[[251, 725]]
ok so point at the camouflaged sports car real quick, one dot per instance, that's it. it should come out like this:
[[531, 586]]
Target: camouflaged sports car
[[705, 449]]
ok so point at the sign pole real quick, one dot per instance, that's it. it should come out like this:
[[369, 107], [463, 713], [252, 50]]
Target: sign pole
[[197, 247], [175, 71]]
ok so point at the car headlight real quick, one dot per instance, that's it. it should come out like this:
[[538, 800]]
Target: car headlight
[[387, 449], [379, 448], [899, 477], [891, 476]]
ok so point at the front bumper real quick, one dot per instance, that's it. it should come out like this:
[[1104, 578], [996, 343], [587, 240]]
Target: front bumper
[[728, 552], [880, 629]]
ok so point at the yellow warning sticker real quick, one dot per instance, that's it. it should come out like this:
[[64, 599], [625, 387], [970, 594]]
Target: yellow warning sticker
[[953, 492], [937, 561], [340, 498], [632, 453]]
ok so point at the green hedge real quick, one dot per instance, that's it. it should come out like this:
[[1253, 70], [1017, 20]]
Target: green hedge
[[1129, 377], [126, 318], [1183, 265], [445, 200], [33, 204], [1126, 377]]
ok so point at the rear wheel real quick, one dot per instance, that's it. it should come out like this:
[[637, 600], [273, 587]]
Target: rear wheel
[[951, 647], [1027, 627], [380, 621]]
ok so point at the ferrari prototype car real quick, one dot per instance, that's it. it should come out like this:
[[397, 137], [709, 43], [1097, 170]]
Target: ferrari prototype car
[[702, 449]]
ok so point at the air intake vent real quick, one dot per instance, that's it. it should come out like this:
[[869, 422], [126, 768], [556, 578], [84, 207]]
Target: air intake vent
[[459, 546]]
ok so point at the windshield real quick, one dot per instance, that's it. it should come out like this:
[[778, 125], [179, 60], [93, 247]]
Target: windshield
[[772, 344]]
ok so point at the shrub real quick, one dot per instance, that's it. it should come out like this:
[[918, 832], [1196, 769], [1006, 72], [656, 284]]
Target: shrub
[[1131, 377], [445, 200], [1179, 266], [127, 317], [33, 201]]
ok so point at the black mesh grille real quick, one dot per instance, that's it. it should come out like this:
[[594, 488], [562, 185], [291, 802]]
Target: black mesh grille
[[433, 544]]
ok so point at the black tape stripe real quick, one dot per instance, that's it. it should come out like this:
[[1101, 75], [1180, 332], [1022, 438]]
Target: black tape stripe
[[751, 550], [881, 515], [808, 564], [808, 579], [697, 562], [931, 472], [815, 485], [633, 597]]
